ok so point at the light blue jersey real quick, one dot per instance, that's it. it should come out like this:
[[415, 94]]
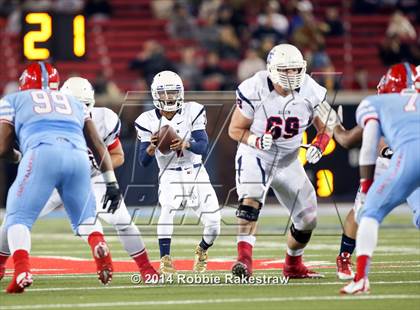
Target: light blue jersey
[[399, 119], [49, 128], [398, 115], [42, 116]]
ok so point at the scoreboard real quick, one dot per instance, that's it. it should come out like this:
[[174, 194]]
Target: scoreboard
[[53, 35]]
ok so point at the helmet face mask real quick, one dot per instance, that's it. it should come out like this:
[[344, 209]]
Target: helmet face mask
[[39, 75], [81, 89], [281, 61], [167, 91]]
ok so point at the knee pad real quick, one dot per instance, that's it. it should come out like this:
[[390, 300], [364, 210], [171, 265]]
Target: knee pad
[[301, 236], [248, 213]]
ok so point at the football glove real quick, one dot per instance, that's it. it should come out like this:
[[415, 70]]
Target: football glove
[[262, 143], [328, 115], [112, 198], [313, 154]]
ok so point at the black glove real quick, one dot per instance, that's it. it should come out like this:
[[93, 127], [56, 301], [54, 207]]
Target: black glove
[[112, 198], [386, 152]]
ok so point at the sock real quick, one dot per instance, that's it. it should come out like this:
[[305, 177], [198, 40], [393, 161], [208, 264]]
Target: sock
[[3, 259], [21, 260], [204, 245], [19, 238], [363, 262], [94, 239], [89, 226], [211, 231], [131, 239], [347, 244], [293, 260], [247, 238], [298, 252], [165, 246], [142, 260], [367, 236], [244, 251]]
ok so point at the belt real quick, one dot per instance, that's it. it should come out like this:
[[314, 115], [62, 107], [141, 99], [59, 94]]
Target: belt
[[184, 168]]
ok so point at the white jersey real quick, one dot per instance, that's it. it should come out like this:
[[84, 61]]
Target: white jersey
[[108, 126], [190, 118], [286, 117]]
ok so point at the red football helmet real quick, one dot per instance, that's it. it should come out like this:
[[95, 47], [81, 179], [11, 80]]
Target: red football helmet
[[39, 75], [400, 76]]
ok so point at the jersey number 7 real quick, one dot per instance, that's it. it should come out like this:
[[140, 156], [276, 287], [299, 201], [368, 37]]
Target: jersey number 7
[[45, 103]]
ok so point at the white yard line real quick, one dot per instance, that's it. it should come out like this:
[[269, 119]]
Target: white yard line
[[124, 287], [211, 301]]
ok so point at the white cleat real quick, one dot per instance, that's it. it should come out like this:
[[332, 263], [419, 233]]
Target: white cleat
[[356, 287], [344, 270]]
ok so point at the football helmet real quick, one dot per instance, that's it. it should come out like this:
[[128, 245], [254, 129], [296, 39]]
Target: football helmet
[[39, 75], [281, 58], [81, 89], [399, 77], [167, 91]]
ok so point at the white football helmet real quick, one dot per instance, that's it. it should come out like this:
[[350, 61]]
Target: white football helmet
[[81, 89], [167, 91], [281, 58]]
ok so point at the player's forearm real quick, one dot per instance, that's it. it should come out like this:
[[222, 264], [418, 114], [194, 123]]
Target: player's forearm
[[98, 148], [11, 155], [144, 157], [117, 160], [200, 142], [239, 134], [348, 138]]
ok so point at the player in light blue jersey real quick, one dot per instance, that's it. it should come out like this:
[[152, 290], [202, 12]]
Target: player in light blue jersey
[[395, 115], [50, 128]]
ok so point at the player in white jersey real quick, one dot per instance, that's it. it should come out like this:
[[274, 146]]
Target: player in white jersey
[[274, 108], [108, 126], [183, 180]]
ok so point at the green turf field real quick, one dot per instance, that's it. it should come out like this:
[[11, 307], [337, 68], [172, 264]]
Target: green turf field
[[395, 274]]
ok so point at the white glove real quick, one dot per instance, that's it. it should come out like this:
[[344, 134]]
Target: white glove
[[262, 143], [313, 154], [328, 115]]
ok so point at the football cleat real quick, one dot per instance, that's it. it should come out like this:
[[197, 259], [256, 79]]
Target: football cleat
[[300, 271], [356, 287], [19, 283], [344, 271], [103, 262], [200, 260], [149, 275], [241, 270], [166, 266]]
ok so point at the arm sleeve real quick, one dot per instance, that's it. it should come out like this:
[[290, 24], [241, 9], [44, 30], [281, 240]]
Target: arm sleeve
[[199, 142], [371, 137], [144, 158], [366, 111], [7, 112]]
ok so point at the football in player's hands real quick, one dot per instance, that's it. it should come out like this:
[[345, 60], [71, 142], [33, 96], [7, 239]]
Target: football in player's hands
[[166, 135]]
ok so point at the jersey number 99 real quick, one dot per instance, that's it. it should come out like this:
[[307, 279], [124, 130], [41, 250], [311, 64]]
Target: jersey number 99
[[45, 103]]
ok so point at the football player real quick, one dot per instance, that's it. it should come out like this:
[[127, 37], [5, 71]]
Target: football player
[[274, 107], [183, 180], [395, 115], [51, 128], [397, 81], [108, 126]]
